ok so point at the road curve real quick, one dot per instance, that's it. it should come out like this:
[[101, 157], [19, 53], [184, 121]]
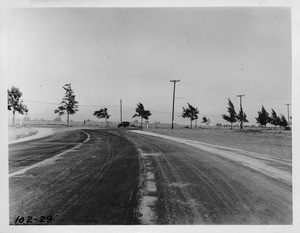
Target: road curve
[[77, 177], [94, 176], [192, 183]]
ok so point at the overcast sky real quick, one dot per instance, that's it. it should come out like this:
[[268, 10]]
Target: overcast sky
[[108, 54]]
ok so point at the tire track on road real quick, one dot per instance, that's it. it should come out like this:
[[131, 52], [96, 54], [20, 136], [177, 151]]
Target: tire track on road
[[200, 187], [50, 160], [252, 160]]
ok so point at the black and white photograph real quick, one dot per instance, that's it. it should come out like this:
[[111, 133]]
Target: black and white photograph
[[149, 116]]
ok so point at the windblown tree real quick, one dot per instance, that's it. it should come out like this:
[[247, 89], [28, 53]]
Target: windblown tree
[[190, 112], [274, 119], [142, 113], [68, 105], [15, 103], [232, 117], [206, 121], [241, 117], [263, 117], [283, 122], [102, 113]]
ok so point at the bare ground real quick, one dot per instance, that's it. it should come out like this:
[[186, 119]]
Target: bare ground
[[275, 143]]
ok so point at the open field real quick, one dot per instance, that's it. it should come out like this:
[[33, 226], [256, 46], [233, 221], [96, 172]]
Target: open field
[[274, 143]]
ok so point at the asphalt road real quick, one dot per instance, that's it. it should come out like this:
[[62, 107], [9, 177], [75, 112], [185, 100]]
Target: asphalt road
[[212, 185], [119, 177], [75, 177]]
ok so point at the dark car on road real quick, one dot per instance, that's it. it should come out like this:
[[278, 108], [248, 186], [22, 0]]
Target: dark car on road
[[124, 124]]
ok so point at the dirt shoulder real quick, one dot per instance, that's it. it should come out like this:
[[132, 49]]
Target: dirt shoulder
[[23, 134], [15, 133], [277, 144]]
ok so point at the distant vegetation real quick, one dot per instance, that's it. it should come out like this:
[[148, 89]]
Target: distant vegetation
[[190, 112], [15, 103], [142, 113], [68, 104], [206, 121], [232, 114], [263, 119], [102, 113]]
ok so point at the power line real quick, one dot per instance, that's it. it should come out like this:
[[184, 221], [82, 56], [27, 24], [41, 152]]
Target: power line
[[112, 106], [91, 106], [81, 105]]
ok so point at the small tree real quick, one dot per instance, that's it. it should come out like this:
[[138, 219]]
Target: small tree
[[274, 119], [263, 117], [68, 104], [102, 113], [15, 103], [241, 117], [142, 113], [283, 122], [232, 118], [190, 112], [206, 121]]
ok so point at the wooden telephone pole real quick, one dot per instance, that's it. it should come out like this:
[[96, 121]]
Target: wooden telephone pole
[[242, 113], [174, 81]]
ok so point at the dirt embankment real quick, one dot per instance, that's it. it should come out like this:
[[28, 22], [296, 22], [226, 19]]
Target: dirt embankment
[[277, 144]]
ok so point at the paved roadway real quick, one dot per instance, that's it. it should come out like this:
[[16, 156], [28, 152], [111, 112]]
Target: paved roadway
[[93, 176], [76, 177], [212, 185]]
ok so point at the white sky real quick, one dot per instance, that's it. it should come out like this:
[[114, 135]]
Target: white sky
[[108, 54]]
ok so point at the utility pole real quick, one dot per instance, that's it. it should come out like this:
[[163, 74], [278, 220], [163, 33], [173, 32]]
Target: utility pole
[[121, 111], [288, 112], [242, 113], [174, 81]]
